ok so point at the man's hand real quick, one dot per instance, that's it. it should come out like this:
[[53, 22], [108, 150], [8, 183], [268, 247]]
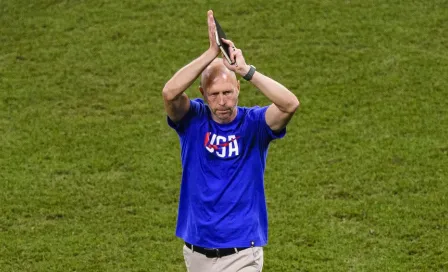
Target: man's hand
[[239, 65], [284, 102], [176, 101], [211, 33]]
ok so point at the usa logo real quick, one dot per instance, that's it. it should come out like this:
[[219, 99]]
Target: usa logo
[[224, 147]]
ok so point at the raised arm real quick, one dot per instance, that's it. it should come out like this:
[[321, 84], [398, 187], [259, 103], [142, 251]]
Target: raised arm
[[284, 102], [176, 101]]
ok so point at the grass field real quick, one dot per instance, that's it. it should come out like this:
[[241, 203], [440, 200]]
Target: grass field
[[90, 171]]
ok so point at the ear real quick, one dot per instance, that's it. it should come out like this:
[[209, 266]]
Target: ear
[[201, 90], [238, 86]]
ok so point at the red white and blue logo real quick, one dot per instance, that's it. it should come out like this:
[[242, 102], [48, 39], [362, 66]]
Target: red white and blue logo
[[222, 146]]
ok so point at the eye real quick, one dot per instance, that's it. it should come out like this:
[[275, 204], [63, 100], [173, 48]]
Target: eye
[[227, 92]]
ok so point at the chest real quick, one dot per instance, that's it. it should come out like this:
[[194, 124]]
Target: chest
[[223, 143]]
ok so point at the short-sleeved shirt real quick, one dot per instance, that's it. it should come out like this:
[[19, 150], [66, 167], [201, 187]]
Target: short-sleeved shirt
[[222, 200]]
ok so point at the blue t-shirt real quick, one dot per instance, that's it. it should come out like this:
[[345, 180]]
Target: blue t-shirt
[[222, 201]]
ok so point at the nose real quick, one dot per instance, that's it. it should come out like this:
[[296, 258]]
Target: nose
[[221, 100]]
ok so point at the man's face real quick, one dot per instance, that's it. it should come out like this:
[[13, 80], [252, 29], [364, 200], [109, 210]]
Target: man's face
[[222, 97]]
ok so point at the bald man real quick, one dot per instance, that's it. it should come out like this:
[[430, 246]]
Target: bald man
[[222, 215]]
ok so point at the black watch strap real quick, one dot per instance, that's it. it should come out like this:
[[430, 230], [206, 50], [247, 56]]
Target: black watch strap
[[250, 74]]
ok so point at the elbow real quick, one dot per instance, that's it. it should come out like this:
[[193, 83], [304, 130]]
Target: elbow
[[293, 105], [167, 93], [296, 104]]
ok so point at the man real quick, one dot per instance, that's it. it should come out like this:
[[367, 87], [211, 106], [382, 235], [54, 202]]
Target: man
[[222, 209]]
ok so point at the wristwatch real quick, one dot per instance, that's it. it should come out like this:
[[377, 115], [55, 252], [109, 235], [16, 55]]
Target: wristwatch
[[250, 74]]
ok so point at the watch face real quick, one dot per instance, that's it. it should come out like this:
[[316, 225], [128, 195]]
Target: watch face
[[250, 74]]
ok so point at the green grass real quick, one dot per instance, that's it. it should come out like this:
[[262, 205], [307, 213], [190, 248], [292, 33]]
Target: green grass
[[90, 172]]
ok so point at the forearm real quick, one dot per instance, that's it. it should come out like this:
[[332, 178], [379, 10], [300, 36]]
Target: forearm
[[278, 94], [183, 78]]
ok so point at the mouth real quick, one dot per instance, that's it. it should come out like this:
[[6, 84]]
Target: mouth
[[222, 111]]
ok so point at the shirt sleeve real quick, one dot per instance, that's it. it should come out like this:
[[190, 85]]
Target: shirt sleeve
[[195, 110], [266, 132]]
